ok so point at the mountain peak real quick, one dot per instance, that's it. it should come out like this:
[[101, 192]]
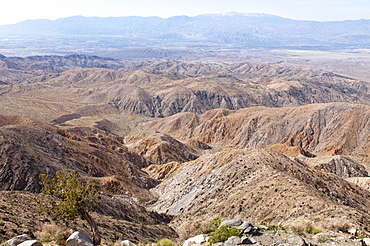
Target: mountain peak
[[235, 14]]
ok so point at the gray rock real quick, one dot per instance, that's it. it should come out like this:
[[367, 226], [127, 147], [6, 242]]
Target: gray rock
[[30, 243], [127, 243], [196, 240], [295, 240], [18, 240], [353, 231], [79, 239], [246, 226], [366, 241], [246, 240], [233, 223], [218, 244], [232, 241]]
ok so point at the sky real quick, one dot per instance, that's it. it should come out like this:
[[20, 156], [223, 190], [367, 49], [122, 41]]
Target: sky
[[14, 11]]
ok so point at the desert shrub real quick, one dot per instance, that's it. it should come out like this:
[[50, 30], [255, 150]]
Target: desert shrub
[[339, 225], [266, 221], [53, 233], [200, 227], [323, 238], [165, 242], [209, 226], [276, 228], [306, 228], [223, 233]]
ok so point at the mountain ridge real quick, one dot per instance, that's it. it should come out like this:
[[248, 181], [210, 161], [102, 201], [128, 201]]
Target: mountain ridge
[[252, 29]]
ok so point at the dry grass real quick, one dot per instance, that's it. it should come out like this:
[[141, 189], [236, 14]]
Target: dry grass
[[306, 228], [53, 233], [338, 225]]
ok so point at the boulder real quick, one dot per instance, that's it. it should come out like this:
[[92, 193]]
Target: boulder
[[353, 231], [245, 226], [127, 243], [79, 239], [196, 240], [233, 223], [18, 240], [30, 243], [366, 241], [232, 241], [246, 240], [295, 240]]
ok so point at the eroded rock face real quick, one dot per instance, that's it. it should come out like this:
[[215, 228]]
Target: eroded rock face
[[363, 182], [329, 129], [342, 166], [162, 148], [167, 88], [253, 184]]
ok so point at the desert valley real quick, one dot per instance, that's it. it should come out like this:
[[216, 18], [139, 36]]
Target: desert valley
[[179, 128]]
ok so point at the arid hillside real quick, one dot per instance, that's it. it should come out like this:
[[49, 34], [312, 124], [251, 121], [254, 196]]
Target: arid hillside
[[329, 129], [318, 179], [166, 88], [30, 149], [258, 185], [183, 143]]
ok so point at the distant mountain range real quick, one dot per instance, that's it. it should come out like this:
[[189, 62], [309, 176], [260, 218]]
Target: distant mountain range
[[232, 28]]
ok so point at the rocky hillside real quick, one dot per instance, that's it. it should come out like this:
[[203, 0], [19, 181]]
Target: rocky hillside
[[263, 143], [258, 185], [28, 148], [118, 218], [330, 129], [166, 88], [18, 69]]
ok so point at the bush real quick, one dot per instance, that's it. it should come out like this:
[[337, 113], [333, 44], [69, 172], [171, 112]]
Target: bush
[[165, 242], [200, 227], [53, 233], [306, 228], [223, 233], [339, 225]]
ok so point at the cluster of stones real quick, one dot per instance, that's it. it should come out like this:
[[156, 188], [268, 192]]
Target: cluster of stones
[[261, 236], [251, 235], [76, 239]]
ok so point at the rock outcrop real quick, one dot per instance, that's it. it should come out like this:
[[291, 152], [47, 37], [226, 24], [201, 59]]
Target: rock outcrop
[[162, 148]]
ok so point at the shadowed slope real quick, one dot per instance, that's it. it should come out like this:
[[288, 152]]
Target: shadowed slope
[[28, 150]]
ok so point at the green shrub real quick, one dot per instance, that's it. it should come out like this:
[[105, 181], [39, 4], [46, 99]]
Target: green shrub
[[165, 242], [223, 233], [306, 228], [310, 229]]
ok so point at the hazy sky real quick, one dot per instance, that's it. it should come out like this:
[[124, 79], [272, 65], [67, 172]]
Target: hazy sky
[[14, 11]]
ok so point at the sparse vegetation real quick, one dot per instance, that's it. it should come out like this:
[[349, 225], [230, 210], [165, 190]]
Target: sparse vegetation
[[165, 242], [53, 233], [223, 233], [201, 227], [75, 198], [306, 228]]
